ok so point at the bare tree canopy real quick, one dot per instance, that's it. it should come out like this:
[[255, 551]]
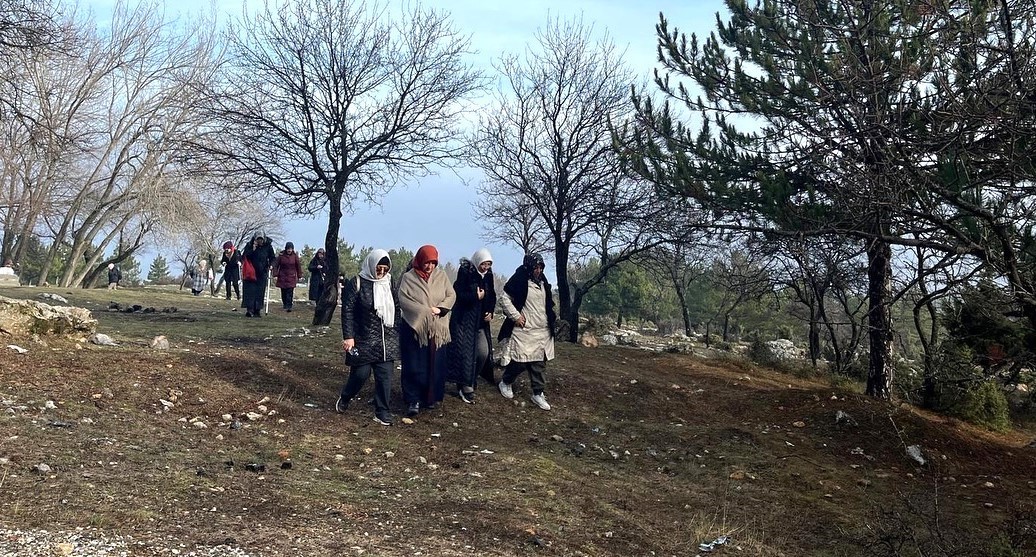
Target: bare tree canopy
[[328, 102], [546, 150]]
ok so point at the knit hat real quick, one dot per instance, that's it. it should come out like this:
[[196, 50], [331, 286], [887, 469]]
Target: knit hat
[[289, 245], [228, 245]]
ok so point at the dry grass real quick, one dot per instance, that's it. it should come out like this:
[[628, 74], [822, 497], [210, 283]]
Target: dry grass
[[644, 453]]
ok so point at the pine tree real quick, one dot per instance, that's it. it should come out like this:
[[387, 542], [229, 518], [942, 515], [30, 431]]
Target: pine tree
[[158, 271], [822, 118]]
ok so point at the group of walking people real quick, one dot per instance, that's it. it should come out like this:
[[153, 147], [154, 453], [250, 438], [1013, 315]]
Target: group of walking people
[[253, 266], [440, 331]]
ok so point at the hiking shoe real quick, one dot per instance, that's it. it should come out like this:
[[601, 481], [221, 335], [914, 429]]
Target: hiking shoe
[[412, 410], [466, 397], [383, 420], [541, 401], [341, 405], [505, 390]]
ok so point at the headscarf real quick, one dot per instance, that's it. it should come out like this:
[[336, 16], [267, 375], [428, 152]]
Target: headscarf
[[383, 304], [530, 262], [480, 257], [424, 255]]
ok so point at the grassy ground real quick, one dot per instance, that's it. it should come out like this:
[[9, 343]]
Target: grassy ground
[[643, 453]]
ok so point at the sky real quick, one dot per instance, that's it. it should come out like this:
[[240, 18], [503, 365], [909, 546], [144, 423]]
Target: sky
[[438, 209]]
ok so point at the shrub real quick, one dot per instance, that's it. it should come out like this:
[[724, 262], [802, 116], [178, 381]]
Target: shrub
[[984, 405]]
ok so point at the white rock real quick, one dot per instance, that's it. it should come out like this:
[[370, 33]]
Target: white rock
[[226, 417], [17, 348], [160, 343], [199, 425], [41, 469], [253, 416], [914, 452], [102, 339], [49, 405], [166, 403]]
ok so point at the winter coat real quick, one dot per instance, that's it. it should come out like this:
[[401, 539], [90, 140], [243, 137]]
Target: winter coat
[[287, 270], [231, 266], [535, 341], [200, 278], [517, 290], [374, 342], [261, 259], [467, 320], [316, 277], [114, 275]]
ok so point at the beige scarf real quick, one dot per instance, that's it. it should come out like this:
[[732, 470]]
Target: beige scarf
[[416, 300]]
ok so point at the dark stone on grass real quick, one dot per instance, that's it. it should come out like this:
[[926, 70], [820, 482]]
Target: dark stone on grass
[[535, 540], [254, 467], [59, 423], [286, 465]]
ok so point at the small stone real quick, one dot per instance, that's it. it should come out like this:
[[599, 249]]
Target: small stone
[[863, 482], [422, 460], [49, 405], [389, 454], [737, 475], [41, 469], [988, 484], [63, 548], [339, 458], [407, 421], [799, 423], [226, 417], [199, 425], [252, 416], [166, 403], [987, 505], [219, 437], [557, 438], [367, 450], [262, 408]]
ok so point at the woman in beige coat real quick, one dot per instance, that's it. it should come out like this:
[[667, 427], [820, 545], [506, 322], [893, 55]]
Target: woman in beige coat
[[527, 336]]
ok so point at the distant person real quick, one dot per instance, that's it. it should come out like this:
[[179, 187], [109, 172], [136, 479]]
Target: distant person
[[527, 336], [470, 337], [370, 335], [287, 269], [7, 269], [256, 260], [317, 274], [425, 297], [114, 276], [231, 263], [201, 276]]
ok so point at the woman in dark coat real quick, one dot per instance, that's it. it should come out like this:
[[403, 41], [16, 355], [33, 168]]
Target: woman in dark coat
[[231, 263], [471, 348], [287, 269], [260, 255], [370, 335], [317, 274]]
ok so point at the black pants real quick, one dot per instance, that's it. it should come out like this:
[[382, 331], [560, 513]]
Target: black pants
[[382, 384], [535, 369], [287, 297], [234, 283]]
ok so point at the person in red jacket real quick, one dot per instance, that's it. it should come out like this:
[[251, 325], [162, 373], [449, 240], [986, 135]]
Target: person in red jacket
[[287, 268]]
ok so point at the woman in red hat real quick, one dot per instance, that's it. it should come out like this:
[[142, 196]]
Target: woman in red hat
[[425, 298]]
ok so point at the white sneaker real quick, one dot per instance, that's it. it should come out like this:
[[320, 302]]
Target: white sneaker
[[541, 401], [505, 390]]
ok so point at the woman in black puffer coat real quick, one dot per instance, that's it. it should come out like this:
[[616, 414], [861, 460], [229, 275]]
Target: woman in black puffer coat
[[472, 350], [370, 334]]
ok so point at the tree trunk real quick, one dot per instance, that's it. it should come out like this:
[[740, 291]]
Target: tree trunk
[[568, 311], [879, 319], [328, 299]]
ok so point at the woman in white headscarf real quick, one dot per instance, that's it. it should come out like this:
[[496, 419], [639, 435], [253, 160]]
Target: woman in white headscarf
[[471, 349], [370, 334]]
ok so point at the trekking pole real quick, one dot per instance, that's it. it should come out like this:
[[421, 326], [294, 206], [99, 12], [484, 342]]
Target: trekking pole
[[267, 311]]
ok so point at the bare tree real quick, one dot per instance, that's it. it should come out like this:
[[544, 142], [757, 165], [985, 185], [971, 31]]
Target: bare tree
[[330, 102], [546, 147], [95, 133], [511, 220]]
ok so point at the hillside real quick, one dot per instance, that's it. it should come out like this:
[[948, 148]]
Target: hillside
[[644, 453]]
